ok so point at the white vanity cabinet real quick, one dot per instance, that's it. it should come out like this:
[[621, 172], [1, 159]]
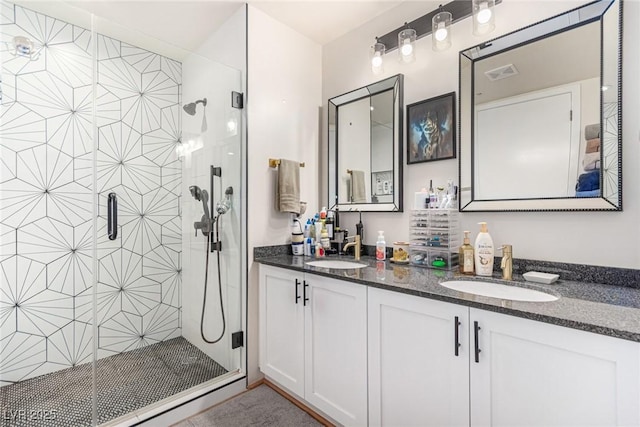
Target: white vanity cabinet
[[335, 343], [526, 373], [530, 373], [313, 340], [418, 361]]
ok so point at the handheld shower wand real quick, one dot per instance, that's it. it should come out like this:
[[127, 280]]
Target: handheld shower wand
[[223, 206], [205, 223]]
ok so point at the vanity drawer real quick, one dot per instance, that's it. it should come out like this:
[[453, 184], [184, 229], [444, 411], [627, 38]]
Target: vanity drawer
[[433, 257]]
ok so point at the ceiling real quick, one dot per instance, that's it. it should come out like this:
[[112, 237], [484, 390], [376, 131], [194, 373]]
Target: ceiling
[[187, 24]]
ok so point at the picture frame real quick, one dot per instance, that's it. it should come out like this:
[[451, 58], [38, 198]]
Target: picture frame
[[431, 129]]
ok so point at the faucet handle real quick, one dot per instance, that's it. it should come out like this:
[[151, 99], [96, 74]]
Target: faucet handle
[[506, 249]]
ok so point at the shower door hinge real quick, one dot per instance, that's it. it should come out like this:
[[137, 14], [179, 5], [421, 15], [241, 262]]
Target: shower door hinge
[[237, 339], [237, 100]]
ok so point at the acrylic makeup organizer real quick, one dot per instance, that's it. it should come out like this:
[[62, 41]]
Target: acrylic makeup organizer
[[434, 238]]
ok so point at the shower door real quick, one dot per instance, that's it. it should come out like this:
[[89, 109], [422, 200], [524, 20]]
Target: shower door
[[163, 119], [101, 276]]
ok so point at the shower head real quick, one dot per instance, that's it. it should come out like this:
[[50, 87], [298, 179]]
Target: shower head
[[190, 108], [196, 193]]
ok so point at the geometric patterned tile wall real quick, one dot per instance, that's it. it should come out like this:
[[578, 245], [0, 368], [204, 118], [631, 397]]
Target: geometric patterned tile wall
[[46, 197]]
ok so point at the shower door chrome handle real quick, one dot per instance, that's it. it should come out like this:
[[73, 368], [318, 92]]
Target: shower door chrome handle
[[112, 216]]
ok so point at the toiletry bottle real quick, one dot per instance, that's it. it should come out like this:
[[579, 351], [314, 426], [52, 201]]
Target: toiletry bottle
[[432, 195], [484, 252], [329, 223], [381, 247], [312, 230], [324, 239], [466, 256], [307, 227], [318, 225], [307, 246], [360, 232]]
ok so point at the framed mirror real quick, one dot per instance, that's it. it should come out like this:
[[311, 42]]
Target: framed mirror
[[540, 115], [365, 148]]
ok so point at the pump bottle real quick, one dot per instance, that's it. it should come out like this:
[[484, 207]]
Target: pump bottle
[[381, 247], [466, 256], [484, 252]]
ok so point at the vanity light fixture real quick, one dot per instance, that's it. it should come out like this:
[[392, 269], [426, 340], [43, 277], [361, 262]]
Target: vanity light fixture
[[406, 42], [438, 22], [483, 17], [377, 52], [441, 30]]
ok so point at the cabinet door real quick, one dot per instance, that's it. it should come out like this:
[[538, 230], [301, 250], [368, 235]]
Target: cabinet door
[[415, 376], [535, 374], [282, 327], [336, 349]]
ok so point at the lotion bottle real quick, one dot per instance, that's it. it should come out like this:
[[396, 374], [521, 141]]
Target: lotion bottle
[[381, 247], [466, 256], [484, 252]]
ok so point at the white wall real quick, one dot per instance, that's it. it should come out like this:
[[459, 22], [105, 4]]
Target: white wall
[[598, 238], [283, 106]]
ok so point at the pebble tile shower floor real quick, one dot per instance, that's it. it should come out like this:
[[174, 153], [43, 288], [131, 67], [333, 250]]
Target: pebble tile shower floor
[[126, 382]]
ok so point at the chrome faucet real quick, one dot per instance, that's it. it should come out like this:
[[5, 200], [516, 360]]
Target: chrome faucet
[[507, 262], [355, 244]]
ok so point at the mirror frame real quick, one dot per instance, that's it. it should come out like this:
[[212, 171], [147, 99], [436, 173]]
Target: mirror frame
[[394, 83], [611, 195]]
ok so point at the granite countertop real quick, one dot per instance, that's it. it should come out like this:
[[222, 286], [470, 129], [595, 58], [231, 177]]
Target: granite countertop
[[602, 309]]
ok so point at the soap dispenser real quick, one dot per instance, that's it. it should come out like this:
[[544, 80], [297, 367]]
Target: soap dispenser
[[484, 252], [466, 256]]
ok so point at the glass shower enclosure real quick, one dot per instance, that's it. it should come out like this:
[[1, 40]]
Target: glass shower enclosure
[[105, 244]]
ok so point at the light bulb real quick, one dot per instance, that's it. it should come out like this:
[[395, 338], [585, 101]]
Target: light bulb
[[441, 33], [376, 61], [484, 14], [407, 48]]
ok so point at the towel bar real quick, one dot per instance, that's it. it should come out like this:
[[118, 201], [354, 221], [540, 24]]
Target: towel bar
[[274, 163]]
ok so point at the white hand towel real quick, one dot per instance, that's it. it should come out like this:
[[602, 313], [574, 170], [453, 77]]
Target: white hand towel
[[288, 187], [358, 189]]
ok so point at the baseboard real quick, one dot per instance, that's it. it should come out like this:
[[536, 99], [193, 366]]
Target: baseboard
[[255, 384], [319, 418]]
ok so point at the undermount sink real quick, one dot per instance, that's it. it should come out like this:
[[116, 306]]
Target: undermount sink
[[496, 290], [334, 263]]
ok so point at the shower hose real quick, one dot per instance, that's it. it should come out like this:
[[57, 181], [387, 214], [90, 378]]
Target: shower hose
[[204, 298]]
